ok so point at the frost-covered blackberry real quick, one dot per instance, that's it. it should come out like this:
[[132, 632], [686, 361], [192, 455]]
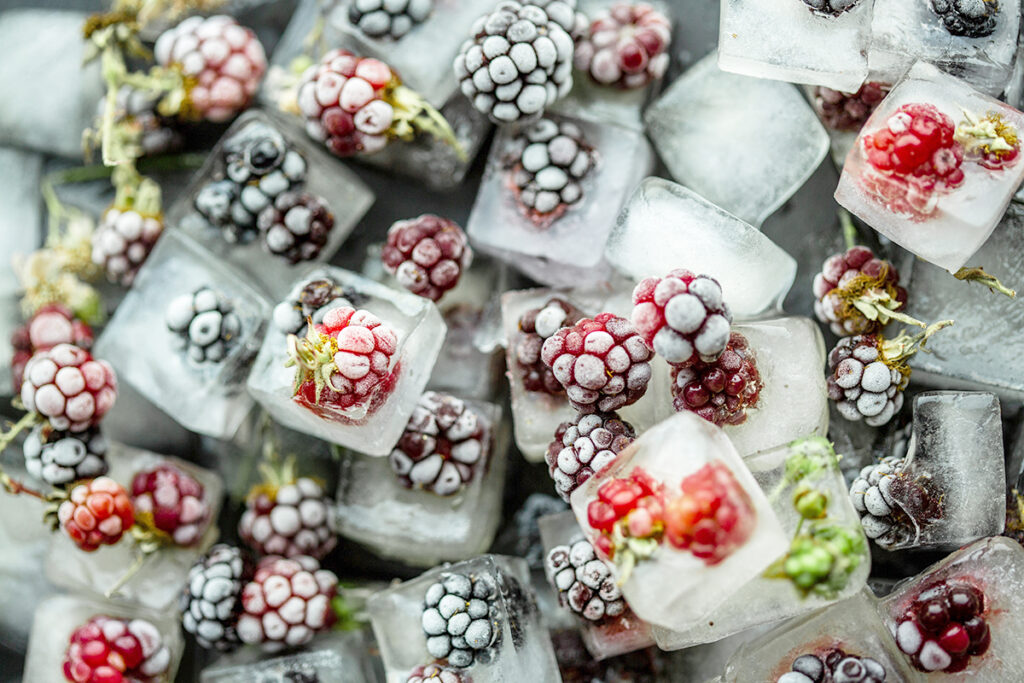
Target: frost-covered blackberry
[[968, 18], [211, 602], [310, 299], [535, 326], [461, 619], [296, 226], [583, 447], [389, 19], [204, 324], [584, 581], [862, 383], [528, 541], [831, 7], [59, 458], [123, 240], [894, 505]]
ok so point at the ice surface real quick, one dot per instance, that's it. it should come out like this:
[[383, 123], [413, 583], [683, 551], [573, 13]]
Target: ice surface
[[674, 589], [524, 651], [420, 330], [786, 41], [335, 658], [963, 217], [903, 32], [161, 578], [569, 253], [745, 144], [664, 226], [144, 351]]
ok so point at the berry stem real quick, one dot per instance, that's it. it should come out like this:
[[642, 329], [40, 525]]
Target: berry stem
[[15, 487], [147, 542], [413, 114], [26, 421], [903, 346], [981, 277]]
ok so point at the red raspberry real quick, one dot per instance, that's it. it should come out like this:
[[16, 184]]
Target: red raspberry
[[427, 254], [846, 276], [172, 502], [96, 512], [287, 602], [226, 60], [111, 650], [682, 317], [944, 626], [535, 326], [122, 242], [633, 504], [585, 446], [52, 324], [720, 392], [846, 111], [290, 520], [713, 517], [626, 46], [602, 363], [69, 388]]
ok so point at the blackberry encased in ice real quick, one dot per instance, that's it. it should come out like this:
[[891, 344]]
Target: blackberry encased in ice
[[204, 324]]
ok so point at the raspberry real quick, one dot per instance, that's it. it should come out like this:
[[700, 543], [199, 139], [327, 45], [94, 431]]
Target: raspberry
[[461, 618], [519, 59], [968, 18], [211, 602], [204, 324], [296, 226], [602, 363], [286, 603], [167, 499], [682, 317], [627, 509], [310, 299], [435, 673], [944, 626], [226, 60], [97, 512], [122, 242], [625, 46], [442, 445], [427, 254], [847, 276], [388, 19], [585, 446], [584, 581], [59, 458], [831, 7], [713, 517], [848, 111], [864, 384], [294, 519], [69, 388], [111, 650], [894, 504], [835, 666], [52, 324], [721, 391], [535, 326]]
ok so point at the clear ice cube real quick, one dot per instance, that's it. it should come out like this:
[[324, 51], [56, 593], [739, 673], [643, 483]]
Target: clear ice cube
[[765, 139], [334, 658]]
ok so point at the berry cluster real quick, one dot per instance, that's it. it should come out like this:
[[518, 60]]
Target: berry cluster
[[292, 519], [720, 391], [584, 446], [52, 324], [436, 673], [848, 277], [96, 512], [123, 240], [204, 324], [390, 19], [308, 300], [296, 226], [138, 108], [831, 7], [461, 618], [834, 666], [968, 18], [172, 502], [110, 650], [894, 505], [427, 255], [210, 603], [625, 46], [863, 382], [535, 326], [848, 111], [944, 626], [59, 458], [584, 581], [67, 387]]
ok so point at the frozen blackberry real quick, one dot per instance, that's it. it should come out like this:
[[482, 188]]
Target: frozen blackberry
[[851, 280], [59, 458], [846, 111], [535, 326], [585, 446], [894, 505], [585, 582], [288, 515], [204, 324], [310, 299], [528, 544], [968, 18], [548, 163], [123, 240], [831, 7], [427, 254], [723, 390], [436, 673], [296, 226], [461, 619], [626, 46], [211, 602], [389, 19], [834, 666]]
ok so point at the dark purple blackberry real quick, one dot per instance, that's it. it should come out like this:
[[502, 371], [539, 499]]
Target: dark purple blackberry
[[535, 326], [388, 19], [846, 111], [835, 666], [296, 226], [584, 582], [461, 619], [893, 503], [968, 18], [528, 544], [211, 604], [59, 458], [863, 383], [204, 324], [583, 447], [311, 299], [831, 7]]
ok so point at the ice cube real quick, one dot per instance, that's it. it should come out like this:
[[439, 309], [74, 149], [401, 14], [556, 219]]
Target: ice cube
[[673, 588], [420, 331], [745, 144], [507, 643], [788, 41], [335, 658], [148, 355], [945, 214]]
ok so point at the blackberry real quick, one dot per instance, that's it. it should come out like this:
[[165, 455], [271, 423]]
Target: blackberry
[[968, 18], [137, 107], [723, 390], [296, 226], [535, 326], [894, 505], [388, 19], [427, 254], [831, 7], [60, 457], [863, 382], [585, 446], [461, 619], [211, 602], [944, 626], [625, 46], [435, 673], [584, 581], [123, 240], [528, 544], [310, 299], [851, 279], [204, 324], [289, 516], [848, 111], [834, 666]]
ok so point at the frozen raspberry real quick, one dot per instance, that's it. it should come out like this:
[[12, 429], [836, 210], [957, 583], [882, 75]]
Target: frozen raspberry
[[848, 111], [722, 391], [51, 325], [585, 446], [628, 509], [990, 140], [535, 326], [519, 58], [427, 254], [59, 458], [442, 446], [584, 581], [893, 503], [137, 109], [310, 299], [294, 519], [97, 512], [625, 46], [968, 18], [226, 60], [111, 650], [682, 317], [69, 388], [847, 276], [713, 517], [834, 666], [211, 602], [388, 19], [204, 324], [831, 7], [286, 603], [122, 242], [296, 226], [461, 618], [864, 384], [436, 673], [548, 162], [944, 626], [172, 502], [602, 363]]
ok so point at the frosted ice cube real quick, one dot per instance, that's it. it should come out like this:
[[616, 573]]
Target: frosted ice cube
[[787, 41], [147, 355], [664, 226], [940, 224], [673, 588], [338, 659], [764, 137], [521, 649], [161, 577], [420, 330]]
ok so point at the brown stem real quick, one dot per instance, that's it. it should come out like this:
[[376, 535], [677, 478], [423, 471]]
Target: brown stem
[[981, 277]]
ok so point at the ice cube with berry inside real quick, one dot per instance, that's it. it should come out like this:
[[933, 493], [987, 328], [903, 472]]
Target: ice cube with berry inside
[[316, 664], [585, 585], [480, 615], [745, 144], [131, 641], [959, 619], [268, 200], [935, 166], [550, 194], [185, 334], [437, 497], [683, 520], [817, 42], [176, 501], [367, 408], [975, 41]]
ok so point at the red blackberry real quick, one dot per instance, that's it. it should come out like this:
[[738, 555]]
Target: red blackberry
[[111, 650], [627, 510], [535, 326], [69, 388], [848, 111], [427, 254], [989, 140], [682, 317], [585, 446], [625, 46], [721, 391], [848, 278], [172, 502], [865, 381], [289, 516], [602, 363], [584, 581], [51, 325], [296, 226], [968, 18], [97, 512], [123, 240], [944, 626]]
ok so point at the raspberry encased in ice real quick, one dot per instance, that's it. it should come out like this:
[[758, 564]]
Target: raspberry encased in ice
[[97, 512], [172, 502], [626, 46], [68, 387], [722, 391], [112, 650], [630, 507], [535, 326], [585, 446], [945, 625], [427, 255]]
